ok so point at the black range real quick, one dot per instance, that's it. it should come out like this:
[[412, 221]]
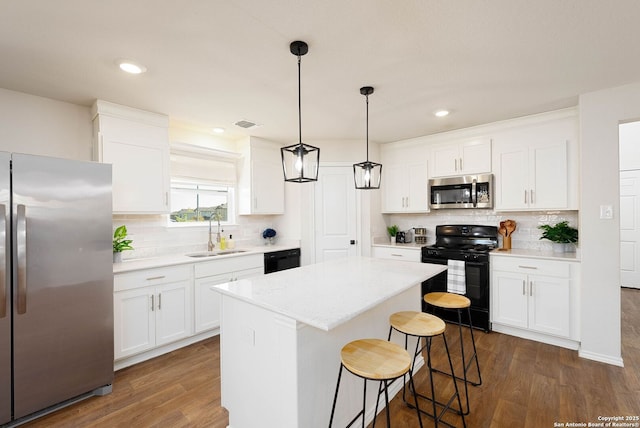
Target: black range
[[470, 244]]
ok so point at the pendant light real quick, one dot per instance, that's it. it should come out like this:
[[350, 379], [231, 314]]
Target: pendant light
[[300, 161], [367, 174]]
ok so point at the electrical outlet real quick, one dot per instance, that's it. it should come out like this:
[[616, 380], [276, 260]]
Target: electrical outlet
[[606, 212]]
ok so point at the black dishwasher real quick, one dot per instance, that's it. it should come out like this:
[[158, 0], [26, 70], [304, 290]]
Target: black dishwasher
[[275, 261]]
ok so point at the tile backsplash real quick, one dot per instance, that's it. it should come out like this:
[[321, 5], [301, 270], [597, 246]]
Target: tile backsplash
[[526, 236], [153, 236]]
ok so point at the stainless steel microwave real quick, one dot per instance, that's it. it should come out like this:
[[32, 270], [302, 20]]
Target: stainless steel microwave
[[467, 191]]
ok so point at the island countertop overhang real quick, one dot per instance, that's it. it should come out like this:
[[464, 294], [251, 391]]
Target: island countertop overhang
[[328, 294]]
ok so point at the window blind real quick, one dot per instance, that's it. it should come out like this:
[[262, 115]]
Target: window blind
[[198, 167]]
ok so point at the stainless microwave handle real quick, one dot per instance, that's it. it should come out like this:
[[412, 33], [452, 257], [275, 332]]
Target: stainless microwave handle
[[474, 195]]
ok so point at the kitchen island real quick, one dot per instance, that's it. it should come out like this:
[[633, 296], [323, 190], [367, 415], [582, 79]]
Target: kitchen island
[[281, 336]]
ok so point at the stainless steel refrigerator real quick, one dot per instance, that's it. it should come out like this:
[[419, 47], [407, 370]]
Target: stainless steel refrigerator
[[56, 284]]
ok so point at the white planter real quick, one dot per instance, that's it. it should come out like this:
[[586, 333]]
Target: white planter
[[117, 257], [561, 247], [393, 240]]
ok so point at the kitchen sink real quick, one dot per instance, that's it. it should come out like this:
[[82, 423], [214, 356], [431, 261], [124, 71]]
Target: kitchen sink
[[203, 254], [215, 253]]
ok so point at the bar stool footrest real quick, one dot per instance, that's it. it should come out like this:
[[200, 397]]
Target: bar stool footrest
[[445, 407], [459, 378], [440, 421]]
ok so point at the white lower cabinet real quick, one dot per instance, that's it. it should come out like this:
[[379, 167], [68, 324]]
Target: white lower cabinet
[[535, 298], [151, 308], [159, 310], [208, 274], [397, 253]]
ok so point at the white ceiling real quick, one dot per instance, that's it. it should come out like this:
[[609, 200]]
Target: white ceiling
[[213, 62]]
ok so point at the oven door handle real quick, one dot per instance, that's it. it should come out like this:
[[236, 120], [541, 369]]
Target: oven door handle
[[474, 195]]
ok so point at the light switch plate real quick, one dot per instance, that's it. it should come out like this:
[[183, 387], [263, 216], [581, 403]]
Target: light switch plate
[[606, 212]]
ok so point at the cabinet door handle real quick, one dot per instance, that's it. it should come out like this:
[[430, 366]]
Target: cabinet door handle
[[524, 292], [525, 196], [527, 267], [155, 277], [530, 288], [531, 198], [159, 301], [396, 255], [152, 302], [460, 164], [455, 163]]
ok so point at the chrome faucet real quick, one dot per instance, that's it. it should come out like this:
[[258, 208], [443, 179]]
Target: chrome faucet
[[210, 245]]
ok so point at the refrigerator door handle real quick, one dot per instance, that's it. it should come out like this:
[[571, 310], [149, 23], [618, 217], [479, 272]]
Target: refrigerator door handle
[[21, 234], [3, 261]]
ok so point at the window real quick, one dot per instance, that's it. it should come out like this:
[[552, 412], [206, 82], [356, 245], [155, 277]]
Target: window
[[202, 185], [195, 202]]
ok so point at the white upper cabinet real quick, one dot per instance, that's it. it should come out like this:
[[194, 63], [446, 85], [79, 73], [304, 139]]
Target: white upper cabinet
[[535, 166], [461, 158], [404, 179], [260, 180], [136, 143]]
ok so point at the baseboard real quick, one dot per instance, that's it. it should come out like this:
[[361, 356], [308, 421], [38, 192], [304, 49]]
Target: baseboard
[[538, 337], [607, 359], [161, 350]]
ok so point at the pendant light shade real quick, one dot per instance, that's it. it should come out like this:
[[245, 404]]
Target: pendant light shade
[[300, 161], [367, 174]]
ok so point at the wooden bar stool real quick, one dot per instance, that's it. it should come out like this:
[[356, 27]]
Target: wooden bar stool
[[457, 302], [374, 359], [427, 326]]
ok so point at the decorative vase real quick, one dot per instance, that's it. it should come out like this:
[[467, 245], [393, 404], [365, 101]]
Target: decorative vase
[[117, 257], [393, 240]]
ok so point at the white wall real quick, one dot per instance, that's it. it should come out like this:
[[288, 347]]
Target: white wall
[[601, 113], [37, 125]]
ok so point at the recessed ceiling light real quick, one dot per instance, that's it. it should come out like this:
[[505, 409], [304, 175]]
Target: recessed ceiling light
[[131, 66], [442, 113], [218, 130]]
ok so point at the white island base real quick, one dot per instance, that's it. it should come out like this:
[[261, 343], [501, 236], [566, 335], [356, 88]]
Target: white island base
[[280, 372]]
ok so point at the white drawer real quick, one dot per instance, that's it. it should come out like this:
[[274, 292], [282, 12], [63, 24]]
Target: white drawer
[[146, 277], [406, 254], [558, 269], [228, 264]]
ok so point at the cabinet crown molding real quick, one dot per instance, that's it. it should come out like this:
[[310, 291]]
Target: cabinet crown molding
[[101, 107]]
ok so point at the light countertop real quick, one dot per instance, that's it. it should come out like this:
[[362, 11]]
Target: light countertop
[[179, 259], [326, 295], [536, 254]]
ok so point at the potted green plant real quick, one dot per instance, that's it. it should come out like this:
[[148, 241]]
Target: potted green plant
[[393, 231], [120, 243], [561, 235]]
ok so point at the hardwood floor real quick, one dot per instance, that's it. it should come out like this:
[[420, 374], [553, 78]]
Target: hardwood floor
[[525, 384]]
